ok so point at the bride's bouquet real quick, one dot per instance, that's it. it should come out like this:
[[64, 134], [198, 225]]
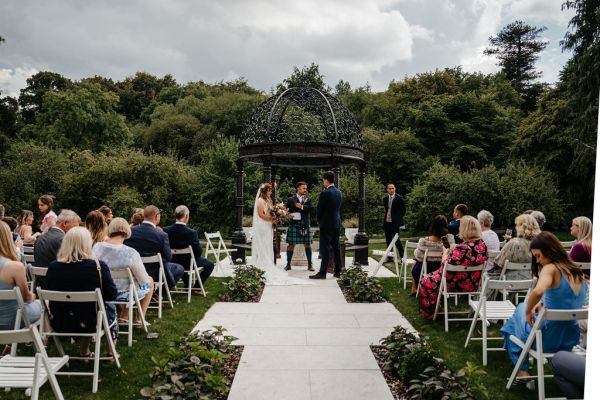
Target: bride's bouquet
[[279, 213]]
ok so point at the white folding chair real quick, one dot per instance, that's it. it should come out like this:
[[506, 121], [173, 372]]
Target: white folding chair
[[407, 261], [428, 253], [29, 373], [538, 353], [525, 268], [585, 266], [102, 329], [391, 248], [21, 318], [567, 245], [217, 252], [131, 304], [193, 273], [28, 249], [486, 310], [36, 274], [445, 293], [158, 286]]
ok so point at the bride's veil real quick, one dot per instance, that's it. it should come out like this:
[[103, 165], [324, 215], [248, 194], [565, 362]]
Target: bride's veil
[[255, 217]]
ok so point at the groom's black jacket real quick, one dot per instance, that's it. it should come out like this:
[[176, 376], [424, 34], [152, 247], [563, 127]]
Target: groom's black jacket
[[328, 209], [305, 212]]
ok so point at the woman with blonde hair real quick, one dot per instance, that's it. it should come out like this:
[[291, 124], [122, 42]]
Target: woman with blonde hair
[[472, 251], [517, 249], [118, 256], [581, 228], [76, 270], [12, 274]]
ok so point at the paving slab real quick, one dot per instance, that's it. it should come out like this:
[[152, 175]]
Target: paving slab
[[275, 385], [345, 336], [348, 385], [305, 321]]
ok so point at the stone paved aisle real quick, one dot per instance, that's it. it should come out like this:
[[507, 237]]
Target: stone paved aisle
[[306, 343]]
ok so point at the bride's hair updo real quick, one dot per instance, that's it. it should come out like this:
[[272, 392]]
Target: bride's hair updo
[[264, 188]]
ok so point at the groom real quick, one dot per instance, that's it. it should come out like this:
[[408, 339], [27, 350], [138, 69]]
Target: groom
[[298, 232], [328, 214]]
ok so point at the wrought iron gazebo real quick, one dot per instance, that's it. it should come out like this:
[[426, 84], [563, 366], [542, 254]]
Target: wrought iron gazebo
[[307, 128]]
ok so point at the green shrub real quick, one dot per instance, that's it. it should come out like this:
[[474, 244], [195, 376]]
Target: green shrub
[[398, 344], [419, 359], [465, 383], [363, 288], [193, 368], [246, 285]]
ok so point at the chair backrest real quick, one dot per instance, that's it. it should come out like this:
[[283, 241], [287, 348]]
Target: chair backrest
[[28, 335], [391, 247], [568, 244], [431, 253], [463, 268], [28, 258], [563, 315], [27, 249], [586, 266], [157, 259], [35, 273], [122, 273], [408, 246], [492, 254], [515, 266], [187, 250], [72, 297], [496, 284]]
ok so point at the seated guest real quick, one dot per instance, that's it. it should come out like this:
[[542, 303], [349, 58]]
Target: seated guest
[[94, 222], [582, 230], [472, 251], [453, 227], [49, 218], [181, 237], [149, 241], [76, 270], [137, 216], [569, 373], [17, 241], [12, 274], [517, 249], [118, 256], [539, 216], [24, 229], [437, 229], [107, 213], [486, 219], [46, 246], [560, 286]]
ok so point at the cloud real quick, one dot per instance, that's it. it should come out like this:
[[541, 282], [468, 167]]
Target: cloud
[[13, 80], [359, 41]]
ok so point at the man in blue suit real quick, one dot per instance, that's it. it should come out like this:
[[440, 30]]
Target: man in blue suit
[[328, 214], [149, 240], [453, 227], [181, 237], [393, 219]]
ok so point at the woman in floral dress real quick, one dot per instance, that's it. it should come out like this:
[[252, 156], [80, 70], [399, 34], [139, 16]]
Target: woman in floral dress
[[472, 251]]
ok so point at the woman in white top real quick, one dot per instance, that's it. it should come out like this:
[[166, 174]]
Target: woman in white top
[[117, 255], [486, 219]]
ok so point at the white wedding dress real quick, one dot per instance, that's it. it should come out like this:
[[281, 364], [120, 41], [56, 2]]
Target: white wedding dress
[[262, 249]]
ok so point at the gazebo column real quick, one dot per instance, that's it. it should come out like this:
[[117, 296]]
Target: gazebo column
[[336, 176], [266, 170], [361, 255], [239, 237]]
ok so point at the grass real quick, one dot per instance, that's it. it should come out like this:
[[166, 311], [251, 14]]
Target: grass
[[136, 364]]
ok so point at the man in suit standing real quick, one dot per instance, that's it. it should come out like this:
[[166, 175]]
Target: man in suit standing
[[393, 218], [181, 237], [459, 211], [148, 240], [328, 214], [298, 231], [46, 246]]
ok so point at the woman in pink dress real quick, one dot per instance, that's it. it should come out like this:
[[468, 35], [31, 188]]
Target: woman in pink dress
[[45, 205]]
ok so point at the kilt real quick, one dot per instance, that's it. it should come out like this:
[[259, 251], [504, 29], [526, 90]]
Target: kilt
[[293, 233]]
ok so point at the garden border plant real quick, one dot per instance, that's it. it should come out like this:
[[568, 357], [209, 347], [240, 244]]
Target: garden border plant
[[413, 369], [359, 287], [246, 285]]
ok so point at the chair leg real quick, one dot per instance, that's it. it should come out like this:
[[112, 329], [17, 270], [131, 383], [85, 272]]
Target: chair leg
[[142, 314], [540, 366], [130, 324], [97, 360], [160, 296], [471, 330], [437, 303], [35, 387], [191, 277], [446, 312], [200, 281], [53, 382], [484, 340], [404, 267]]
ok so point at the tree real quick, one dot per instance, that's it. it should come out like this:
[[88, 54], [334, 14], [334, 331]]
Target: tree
[[9, 111], [309, 77], [31, 97], [517, 48], [343, 88], [82, 117], [137, 92]]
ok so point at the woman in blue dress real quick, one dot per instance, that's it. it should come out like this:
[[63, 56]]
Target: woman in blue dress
[[561, 285]]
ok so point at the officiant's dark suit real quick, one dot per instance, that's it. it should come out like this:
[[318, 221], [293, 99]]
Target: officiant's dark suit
[[328, 214], [393, 218], [148, 240], [181, 237]]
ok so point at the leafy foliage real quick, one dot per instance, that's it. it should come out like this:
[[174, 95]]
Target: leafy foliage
[[193, 368], [418, 360], [246, 285], [398, 345], [465, 383], [362, 287]]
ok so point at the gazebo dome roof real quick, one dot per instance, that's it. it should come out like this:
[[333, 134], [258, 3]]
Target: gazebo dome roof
[[301, 127]]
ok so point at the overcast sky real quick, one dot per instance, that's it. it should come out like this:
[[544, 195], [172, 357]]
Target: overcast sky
[[360, 41]]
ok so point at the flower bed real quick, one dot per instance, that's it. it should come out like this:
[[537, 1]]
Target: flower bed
[[198, 366], [247, 285], [359, 287], [414, 370]]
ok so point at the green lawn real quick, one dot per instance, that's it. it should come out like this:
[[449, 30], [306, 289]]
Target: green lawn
[[136, 364]]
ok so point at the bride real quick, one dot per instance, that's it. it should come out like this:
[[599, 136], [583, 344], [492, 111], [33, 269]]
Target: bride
[[262, 240]]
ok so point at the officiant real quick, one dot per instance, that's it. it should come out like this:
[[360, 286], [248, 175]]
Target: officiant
[[299, 209]]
